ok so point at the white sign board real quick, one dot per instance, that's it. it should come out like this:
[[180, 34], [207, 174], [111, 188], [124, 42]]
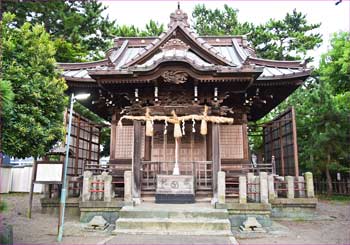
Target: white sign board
[[49, 172]]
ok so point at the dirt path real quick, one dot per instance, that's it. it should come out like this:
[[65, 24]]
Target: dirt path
[[336, 231], [42, 228]]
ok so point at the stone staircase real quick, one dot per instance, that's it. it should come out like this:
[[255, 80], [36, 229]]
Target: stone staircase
[[173, 219]]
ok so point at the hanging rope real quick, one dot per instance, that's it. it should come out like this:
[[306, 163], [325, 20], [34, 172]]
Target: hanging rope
[[174, 119]]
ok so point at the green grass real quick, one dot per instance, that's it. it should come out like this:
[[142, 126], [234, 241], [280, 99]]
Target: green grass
[[337, 198], [3, 206]]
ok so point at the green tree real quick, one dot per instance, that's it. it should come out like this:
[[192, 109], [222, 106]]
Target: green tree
[[6, 102], [34, 123], [335, 64], [218, 22], [152, 28], [287, 39], [78, 28]]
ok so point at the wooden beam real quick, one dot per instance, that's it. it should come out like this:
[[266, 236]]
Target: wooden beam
[[136, 160], [295, 144], [216, 157]]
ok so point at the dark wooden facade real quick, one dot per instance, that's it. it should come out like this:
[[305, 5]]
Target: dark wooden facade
[[182, 72]]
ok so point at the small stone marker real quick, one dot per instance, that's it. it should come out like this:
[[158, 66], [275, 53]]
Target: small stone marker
[[97, 223], [251, 225]]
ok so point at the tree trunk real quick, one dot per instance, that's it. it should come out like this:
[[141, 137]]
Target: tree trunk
[[329, 177]]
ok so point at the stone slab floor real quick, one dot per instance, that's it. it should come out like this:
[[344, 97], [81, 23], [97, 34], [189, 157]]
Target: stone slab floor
[[42, 228]]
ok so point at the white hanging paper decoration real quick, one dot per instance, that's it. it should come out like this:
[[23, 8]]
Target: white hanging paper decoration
[[183, 127], [193, 125], [166, 127]]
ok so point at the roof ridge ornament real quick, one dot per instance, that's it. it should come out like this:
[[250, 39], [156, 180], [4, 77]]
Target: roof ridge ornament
[[178, 17]]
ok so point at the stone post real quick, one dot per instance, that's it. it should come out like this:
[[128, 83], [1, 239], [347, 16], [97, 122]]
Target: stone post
[[108, 188], [290, 187], [242, 189], [221, 187], [264, 196], [127, 186], [250, 179], [271, 187], [309, 185], [301, 186], [86, 186]]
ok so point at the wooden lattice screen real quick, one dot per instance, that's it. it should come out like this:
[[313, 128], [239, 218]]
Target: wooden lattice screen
[[280, 141], [124, 142], [231, 142], [85, 144]]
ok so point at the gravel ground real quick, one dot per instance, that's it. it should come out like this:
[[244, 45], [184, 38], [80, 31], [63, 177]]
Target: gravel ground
[[42, 228]]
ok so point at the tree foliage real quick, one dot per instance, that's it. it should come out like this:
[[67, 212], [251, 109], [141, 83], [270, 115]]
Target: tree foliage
[[335, 64], [78, 28], [286, 39], [218, 22], [152, 28], [34, 123]]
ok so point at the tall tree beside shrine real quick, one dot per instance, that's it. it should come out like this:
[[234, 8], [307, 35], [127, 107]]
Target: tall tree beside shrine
[[34, 122], [286, 39], [323, 113], [78, 28]]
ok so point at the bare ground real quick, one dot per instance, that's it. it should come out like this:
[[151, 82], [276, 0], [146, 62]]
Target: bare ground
[[42, 228]]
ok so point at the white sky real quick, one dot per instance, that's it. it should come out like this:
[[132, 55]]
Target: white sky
[[333, 18]]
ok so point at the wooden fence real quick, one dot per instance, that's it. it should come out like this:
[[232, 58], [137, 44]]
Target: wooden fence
[[339, 187]]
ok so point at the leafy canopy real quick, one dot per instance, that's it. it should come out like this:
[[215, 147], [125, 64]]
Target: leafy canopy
[[286, 39], [78, 28], [35, 122]]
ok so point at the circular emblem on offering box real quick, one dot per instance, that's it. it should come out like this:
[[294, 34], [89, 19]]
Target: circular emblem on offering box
[[174, 185]]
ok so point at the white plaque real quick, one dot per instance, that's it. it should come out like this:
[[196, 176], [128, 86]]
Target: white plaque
[[175, 184], [49, 172]]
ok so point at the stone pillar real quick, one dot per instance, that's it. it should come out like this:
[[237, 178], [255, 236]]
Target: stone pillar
[[301, 186], [264, 196], [86, 186], [250, 179], [271, 187], [242, 189], [108, 188], [127, 186], [290, 187], [136, 162], [221, 187], [309, 185], [256, 188]]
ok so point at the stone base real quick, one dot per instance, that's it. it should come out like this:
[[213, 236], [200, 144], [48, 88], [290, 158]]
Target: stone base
[[175, 198]]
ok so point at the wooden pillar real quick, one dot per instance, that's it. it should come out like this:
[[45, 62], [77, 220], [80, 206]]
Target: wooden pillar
[[136, 161], [77, 142], [113, 135], [281, 149], [245, 138], [295, 144], [216, 158]]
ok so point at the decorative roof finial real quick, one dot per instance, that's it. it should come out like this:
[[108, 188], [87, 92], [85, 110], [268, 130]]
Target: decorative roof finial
[[178, 5]]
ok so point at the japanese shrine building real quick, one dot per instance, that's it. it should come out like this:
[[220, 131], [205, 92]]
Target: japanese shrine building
[[182, 99]]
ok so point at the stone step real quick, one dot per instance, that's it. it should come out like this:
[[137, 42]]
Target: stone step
[[173, 224], [173, 211], [172, 232]]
